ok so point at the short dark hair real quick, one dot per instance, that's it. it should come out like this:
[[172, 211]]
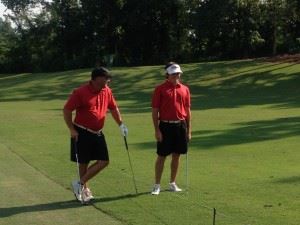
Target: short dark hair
[[100, 72], [169, 64]]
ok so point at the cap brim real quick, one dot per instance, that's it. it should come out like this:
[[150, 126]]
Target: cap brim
[[174, 71]]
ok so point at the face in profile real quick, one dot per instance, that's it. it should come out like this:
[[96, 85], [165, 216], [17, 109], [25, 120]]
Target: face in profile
[[100, 82]]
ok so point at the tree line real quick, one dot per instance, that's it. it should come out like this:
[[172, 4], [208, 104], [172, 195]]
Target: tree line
[[71, 34]]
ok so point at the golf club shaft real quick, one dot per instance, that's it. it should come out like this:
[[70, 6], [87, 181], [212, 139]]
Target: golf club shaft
[[77, 161], [126, 145], [186, 172], [133, 178]]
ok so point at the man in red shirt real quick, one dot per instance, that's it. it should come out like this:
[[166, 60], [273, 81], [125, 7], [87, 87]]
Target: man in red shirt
[[171, 116], [91, 102]]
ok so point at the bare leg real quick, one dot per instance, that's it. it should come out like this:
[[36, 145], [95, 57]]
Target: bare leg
[[82, 170], [93, 170], [159, 167], [174, 166]]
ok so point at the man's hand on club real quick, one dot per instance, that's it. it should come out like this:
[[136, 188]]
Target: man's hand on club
[[124, 130], [158, 135], [74, 134]]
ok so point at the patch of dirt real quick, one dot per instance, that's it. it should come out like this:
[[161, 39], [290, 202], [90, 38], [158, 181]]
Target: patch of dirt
[[286, 58]]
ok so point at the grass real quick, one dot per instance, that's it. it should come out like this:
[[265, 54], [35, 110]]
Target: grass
[[243, 157], [27, 200]]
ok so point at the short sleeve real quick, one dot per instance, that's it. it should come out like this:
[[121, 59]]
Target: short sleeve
[[73, 102], [188, 98], [156, 98], [112, 105]]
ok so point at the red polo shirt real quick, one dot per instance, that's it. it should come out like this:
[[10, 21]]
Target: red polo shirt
[[172, 101], [91, 105]]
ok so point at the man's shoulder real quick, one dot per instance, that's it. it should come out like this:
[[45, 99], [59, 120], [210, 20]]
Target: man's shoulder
[[82, 89], [184, 86], [161, 85]]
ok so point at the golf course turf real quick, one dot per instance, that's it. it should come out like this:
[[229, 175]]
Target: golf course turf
[[243, 157]]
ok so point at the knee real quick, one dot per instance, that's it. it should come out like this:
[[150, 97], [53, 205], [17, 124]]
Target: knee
[[102, 164], [160, 159], [105, 163], [175, 156]]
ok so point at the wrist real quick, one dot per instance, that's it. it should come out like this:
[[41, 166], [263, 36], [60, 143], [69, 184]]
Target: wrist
[[72, 128]]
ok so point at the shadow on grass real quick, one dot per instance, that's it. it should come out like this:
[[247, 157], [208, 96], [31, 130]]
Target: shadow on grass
[[249, 132], [213, 85], [151, 145], [256, 88], [243, 133], [118, 198], [10, 211], [6, 212], [288, 180], [233, 86]]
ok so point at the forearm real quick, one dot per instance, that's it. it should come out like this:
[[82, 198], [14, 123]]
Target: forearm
[[68, 118], [117, 116], [188, 121], [155, 118]]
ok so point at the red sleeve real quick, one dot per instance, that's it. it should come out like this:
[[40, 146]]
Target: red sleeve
[[73, 102], [188, 98], [112, 105], [156, 98]]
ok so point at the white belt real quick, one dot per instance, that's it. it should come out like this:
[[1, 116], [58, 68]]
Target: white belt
[[171, 121], [99, 132]]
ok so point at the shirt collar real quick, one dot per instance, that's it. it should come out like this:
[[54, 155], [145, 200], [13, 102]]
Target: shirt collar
[[168, 83], [93, 90]]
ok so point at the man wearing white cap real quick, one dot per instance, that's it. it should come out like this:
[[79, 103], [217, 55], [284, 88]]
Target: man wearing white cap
[[171, 116]]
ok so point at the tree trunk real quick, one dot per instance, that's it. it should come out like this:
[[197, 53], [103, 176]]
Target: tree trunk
[[274, 44]]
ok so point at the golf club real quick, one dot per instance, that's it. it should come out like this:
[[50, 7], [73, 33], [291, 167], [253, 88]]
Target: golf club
[[186, 173], [133, 178], [77, 162]]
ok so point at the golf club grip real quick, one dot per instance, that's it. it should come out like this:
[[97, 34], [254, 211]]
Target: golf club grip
[[125, 140]]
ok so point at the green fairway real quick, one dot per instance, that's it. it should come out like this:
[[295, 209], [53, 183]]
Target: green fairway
[[31, 198], [243, 158]]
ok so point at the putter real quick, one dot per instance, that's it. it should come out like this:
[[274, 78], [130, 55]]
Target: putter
[[77, 163], [186, 173], [133, 178]]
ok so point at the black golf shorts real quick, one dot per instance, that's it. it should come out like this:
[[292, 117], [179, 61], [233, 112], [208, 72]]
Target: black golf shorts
[[89, 147], [174, 138]]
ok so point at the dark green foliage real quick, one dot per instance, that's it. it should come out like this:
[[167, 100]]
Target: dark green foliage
[[70, 34]]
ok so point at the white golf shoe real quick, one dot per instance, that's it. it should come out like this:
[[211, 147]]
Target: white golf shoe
[[77, 189], [87, 195], [156, 189], [174, 187]]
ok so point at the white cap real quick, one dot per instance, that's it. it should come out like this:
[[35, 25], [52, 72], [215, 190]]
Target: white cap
[[175, 68]]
